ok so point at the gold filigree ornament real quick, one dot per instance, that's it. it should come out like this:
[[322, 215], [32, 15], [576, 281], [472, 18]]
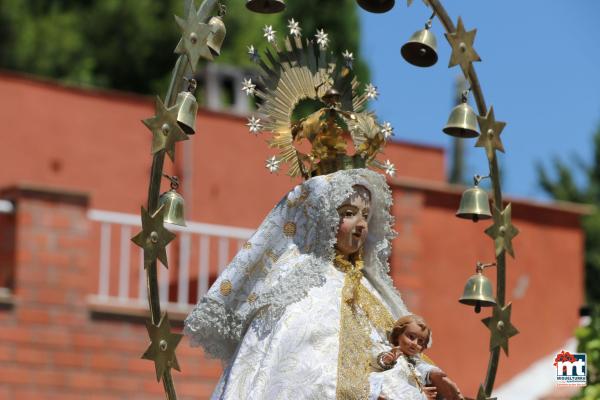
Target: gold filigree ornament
[[289, 229], [226, 287], [314, 109]]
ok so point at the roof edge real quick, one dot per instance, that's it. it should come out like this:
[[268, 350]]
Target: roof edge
[[454, 189]]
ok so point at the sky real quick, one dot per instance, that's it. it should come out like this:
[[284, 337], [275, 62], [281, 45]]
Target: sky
[[540, 70]]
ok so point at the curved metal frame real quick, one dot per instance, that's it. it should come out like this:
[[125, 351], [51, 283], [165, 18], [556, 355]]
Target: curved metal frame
[[182, 68], [179, 71], [495, 178]]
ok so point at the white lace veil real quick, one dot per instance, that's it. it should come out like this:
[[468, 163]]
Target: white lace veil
[[287, 256]]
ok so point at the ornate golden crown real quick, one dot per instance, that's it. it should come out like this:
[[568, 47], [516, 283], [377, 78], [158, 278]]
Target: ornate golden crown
[[303, 71]]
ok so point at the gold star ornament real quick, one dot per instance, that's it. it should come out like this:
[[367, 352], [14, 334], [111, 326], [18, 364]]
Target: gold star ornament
[[162, 346], [503, 231], [194, 35], [165, 129], [490, 133], [501, 327], [463, 53], [153, 238]]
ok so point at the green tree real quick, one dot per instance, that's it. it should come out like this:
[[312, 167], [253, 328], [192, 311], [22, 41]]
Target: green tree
[[561, 185], [339, 19], [128, 45]]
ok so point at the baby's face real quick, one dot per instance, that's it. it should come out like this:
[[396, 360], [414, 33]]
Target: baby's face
[[413, 340]]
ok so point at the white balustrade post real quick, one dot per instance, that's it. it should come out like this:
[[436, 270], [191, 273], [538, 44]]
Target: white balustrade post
[[104, 278], [124, 262], [183, 280]]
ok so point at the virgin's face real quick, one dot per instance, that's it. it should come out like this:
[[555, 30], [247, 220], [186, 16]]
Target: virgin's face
[[354, 216]]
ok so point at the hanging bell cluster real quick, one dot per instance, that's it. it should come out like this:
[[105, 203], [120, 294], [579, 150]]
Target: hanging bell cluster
[[474, 203], [187, 107], [421, 48], [478, 291], [265, 6], [173, 204], [462, 122], [376, 6]]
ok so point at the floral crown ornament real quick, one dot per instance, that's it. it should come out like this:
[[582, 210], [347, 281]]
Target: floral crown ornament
[[303, 69]]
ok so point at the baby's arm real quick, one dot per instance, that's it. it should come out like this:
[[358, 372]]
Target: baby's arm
[[446, 387], [438, 378], [430, 392]]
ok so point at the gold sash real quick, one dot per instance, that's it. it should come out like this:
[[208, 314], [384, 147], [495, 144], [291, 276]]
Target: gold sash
[[361, 311]]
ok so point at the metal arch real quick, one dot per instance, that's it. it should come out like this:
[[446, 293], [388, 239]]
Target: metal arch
[[182, 67]]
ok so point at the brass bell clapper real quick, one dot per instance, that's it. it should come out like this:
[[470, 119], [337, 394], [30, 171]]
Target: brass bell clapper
[[478, 291], [376, 6], [474, 202], [173, 203], [421, 48], [462, 122], [187, 108], [265, 6]]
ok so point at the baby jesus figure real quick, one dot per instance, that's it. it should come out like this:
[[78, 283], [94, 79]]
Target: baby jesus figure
[[402, 378]]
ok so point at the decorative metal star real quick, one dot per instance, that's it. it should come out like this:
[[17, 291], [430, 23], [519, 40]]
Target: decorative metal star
[[165, 129], [272, 164], [162, 346], [248, 87], [153, 238], [348, 58], [371, 91], [269, 33], [387, 130], [503, 231], [253, 54], [322, 39], [501, 327], [254, 125], [194, 35], [490, 133], [294, 28], [463, 53], [390, 169]]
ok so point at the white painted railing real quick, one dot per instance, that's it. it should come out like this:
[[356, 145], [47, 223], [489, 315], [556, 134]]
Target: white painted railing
[[122, 280]]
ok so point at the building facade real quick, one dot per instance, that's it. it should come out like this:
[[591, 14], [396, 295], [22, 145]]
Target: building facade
[[74, 175]]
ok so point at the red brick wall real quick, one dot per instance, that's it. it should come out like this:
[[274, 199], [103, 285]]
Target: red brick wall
[[94, 142], [51, 346]]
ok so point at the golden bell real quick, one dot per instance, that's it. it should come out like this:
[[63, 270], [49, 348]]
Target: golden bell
[[376, 6], [478, 292], [265, 6], [462, 122], [186, 114], [216, 38], [173, 203], [420, 50], [474, 205]]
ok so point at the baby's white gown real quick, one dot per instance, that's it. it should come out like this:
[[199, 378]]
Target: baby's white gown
[[397, 383]]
